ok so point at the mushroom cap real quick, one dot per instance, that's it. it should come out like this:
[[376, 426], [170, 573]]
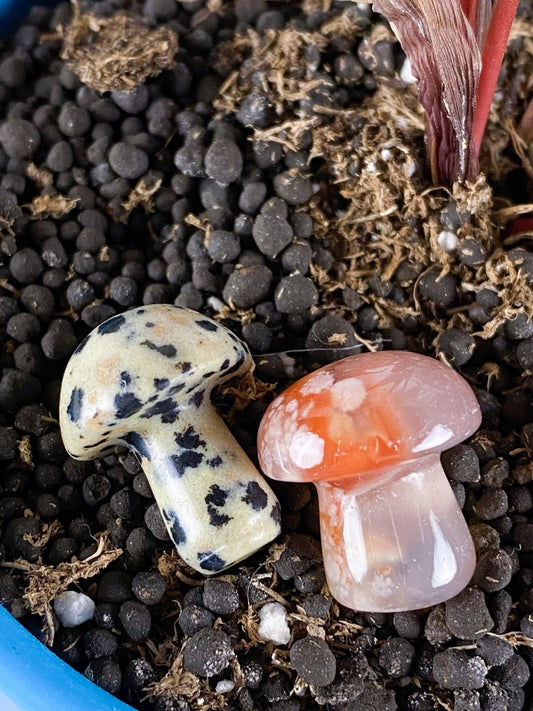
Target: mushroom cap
[[153, 360], [359, 415]]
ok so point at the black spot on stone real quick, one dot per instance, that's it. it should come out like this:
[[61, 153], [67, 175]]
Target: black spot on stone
[[255, 496], [168, 409], [161, 383], [95, 444], [276, 513], [126, 404], [189, 439], [211, 561], [186, 366], [207, 325], [209, 374], [197, 398], [237, 364], [215, 461], [138, 444], [167, 350], [225, 364], [125, 379], [189, 459], [81, 346], [215, 518], [75, 404], [176, 531], [216, 496], [149, 324], [176, 388], [111, 325]]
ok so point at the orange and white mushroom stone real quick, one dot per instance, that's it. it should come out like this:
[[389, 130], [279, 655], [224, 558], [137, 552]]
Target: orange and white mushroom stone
[[367, 431]]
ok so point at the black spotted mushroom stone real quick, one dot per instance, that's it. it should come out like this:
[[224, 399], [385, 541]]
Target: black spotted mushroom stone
[[143, 379]]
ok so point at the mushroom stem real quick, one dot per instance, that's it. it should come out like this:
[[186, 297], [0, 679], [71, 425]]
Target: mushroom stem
[[402, 545], [213, 525]]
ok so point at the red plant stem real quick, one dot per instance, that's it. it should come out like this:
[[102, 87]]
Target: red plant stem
[[495, 44]]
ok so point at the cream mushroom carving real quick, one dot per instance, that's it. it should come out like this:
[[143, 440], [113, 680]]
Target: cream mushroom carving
[[367, 431], [143, 380]]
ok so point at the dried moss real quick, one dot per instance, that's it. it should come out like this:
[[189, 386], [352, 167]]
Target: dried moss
[[45, 582], [115, 53], [55, 206]]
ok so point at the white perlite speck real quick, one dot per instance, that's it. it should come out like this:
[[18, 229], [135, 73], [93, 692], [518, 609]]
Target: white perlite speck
[[73, 608], [224, 685], [273, 625]]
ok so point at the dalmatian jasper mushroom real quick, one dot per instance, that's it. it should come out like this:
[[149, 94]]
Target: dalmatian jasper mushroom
[[143, 380]]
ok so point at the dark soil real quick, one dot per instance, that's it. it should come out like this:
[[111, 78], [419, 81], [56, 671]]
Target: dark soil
[[270, 173]]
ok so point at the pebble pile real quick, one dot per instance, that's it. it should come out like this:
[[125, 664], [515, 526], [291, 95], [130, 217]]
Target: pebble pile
[[111, 200]]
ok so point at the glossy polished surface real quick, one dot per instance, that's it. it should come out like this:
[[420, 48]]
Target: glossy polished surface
[[143, 380], [367, 430]]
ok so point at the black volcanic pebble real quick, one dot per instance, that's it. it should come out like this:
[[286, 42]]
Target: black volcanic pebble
[[455, 669], [295, 293], [96, 488], [18, 536], [223, 161], [271, 230], [457, 345], [136, 619], [127, 160], [492, 504], [26, 265], [461, 463], [24, 327], [106, 673], [247, 286], [256, 111], [396, 657], [99, 643], [208, 652], [60, 157], [223, 246], [494, 570], [19, 138], [73, 120], [155, 523], [138, 674], [193, 618], [114, 586], [220, 596], [440, 291], [295, 189], [148, 587], [60, 340], [8, 443], [313, 660], [18, 389], [467, 616]]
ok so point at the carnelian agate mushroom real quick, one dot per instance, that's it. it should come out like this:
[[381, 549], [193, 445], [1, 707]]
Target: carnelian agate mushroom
[[367, 431]]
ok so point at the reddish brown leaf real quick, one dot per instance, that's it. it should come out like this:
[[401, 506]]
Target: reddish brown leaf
[[444, 56]]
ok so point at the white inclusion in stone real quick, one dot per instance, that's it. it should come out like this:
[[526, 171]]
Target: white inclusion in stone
[[414, 479], [291, 406], [348, 394], [438, 435], [318, 383], [273, 625], [306, 449], [444, 561], [354, 541]]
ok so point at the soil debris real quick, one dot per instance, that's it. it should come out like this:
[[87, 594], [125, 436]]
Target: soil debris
[[115, 53]]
